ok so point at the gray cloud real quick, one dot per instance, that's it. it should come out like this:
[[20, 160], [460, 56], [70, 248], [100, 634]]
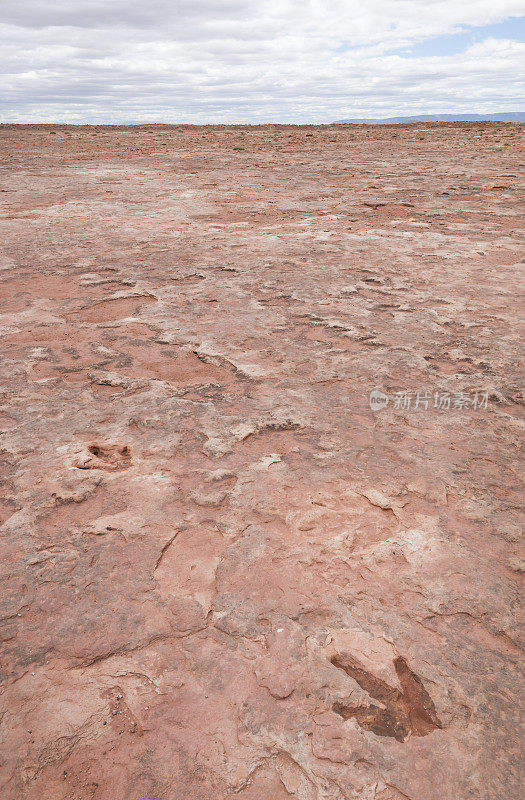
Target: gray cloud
[[246, 61]]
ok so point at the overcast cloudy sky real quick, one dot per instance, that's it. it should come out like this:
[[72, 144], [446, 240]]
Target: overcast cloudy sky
[[258, 60]]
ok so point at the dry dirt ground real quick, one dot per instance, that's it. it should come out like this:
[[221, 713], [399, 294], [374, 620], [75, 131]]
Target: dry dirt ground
[[224, 574]]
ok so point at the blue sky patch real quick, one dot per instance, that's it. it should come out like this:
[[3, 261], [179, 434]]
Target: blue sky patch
[[451, 44]]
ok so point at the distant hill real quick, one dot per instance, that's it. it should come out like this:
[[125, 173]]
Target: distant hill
[[512, 116]]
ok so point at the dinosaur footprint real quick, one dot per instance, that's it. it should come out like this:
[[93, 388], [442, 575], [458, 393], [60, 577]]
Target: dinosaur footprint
[[405, 712]]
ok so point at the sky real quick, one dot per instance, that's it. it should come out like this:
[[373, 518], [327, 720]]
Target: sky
[[258, 61]]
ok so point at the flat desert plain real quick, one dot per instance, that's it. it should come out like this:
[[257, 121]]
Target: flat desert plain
[[260, 414]]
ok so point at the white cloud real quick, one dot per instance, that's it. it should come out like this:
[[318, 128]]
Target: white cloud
[[248, 60]]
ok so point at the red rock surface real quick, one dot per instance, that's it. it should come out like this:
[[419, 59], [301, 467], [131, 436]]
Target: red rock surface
[[223, 574]]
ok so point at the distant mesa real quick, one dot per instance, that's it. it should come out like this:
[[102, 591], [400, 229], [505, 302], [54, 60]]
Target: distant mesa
[[511, 116]]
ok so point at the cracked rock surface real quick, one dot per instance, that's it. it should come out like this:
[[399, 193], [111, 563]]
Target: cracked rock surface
[[223, 574]]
